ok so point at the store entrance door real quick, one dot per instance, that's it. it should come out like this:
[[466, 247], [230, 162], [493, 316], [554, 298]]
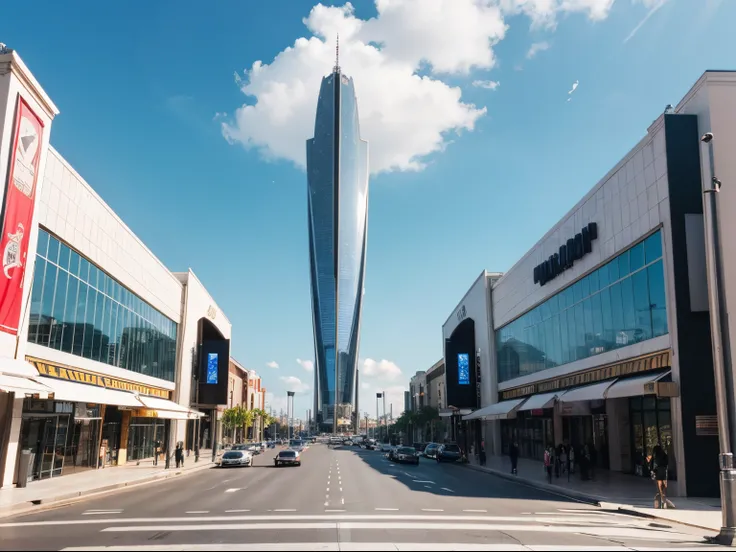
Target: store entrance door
[[46, 435]]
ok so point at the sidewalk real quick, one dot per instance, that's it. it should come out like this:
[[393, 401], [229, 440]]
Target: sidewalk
[[610, 490], [17, 500]]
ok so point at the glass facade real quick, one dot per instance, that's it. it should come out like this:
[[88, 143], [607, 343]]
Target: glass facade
[[337, 174], [620, 303], [79, 309]]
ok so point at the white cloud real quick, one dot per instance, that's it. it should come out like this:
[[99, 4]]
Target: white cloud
[[543, 13], [365, 385], [489, 84], [537, 47], [573, 89], [292, 383], [272, 364], [383, 370], [652, 7], [394, 396], [308, 365]]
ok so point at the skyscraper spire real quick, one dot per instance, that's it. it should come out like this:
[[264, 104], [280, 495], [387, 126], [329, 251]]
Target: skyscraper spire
[[336, 68]]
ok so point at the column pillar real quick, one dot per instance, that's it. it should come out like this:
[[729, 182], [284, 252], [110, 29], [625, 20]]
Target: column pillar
[[13, 446], [124, 434]]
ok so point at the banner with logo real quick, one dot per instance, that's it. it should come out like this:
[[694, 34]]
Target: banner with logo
[[20, 193]]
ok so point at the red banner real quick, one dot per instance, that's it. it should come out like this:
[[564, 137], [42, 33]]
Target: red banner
[[20, 193]]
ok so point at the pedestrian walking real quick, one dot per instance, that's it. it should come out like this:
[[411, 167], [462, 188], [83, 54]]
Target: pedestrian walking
[[548, 463], [658, 467], [514, 456], [179, 454]]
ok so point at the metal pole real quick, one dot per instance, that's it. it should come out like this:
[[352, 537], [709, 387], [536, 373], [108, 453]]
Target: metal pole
[[378, 418], [385, 420], [721, 357]]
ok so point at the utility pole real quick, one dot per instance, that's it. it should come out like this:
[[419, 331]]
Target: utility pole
[[378, 417], [385, 420], [722, 366]]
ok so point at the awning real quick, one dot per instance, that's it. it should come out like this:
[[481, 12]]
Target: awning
[[22, 386], [17, 367], [78, 392], [536, 402], [633, 387], [594, 392], [169, 409], [498, 411]]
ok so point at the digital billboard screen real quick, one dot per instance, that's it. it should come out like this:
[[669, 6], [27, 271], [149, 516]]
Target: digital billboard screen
[[463, 369], [212, 367]]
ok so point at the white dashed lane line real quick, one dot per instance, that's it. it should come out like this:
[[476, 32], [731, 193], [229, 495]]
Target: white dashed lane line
[[236, 511], [432, 510], [198, 512], [476, 511], [386, 509], [448, 490]]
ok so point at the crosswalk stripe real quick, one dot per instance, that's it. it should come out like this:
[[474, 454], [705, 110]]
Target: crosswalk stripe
[[322, 517], [629, 532], [361, 547]]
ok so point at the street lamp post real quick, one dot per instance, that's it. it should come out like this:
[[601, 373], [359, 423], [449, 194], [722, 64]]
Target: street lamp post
[[725, 407], [378, 418], [289, 412]]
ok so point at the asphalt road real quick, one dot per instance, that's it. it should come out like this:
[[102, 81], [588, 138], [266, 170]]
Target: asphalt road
[[338, 499]]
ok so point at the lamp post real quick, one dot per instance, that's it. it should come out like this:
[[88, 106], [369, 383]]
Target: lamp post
[[289, 412], [378, 418], [721, 352]]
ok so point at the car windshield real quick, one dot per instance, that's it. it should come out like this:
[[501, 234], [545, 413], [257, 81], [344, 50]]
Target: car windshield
[[287, 454], [432, 446], [451, 448], [240, 447], [232, 454], [407, 450]]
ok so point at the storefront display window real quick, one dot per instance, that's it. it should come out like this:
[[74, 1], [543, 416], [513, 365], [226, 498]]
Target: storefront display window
[[531, 433], [144, 433], [651, 424], [619, 304]]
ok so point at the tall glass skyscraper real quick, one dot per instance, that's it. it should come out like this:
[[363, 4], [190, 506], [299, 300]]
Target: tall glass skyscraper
[[337, 177]]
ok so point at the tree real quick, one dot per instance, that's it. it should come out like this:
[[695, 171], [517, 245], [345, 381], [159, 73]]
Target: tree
[[234, 418]]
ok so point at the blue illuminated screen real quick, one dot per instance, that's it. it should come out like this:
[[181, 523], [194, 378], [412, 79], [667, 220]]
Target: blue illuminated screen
[[212, 367], [463, 369]]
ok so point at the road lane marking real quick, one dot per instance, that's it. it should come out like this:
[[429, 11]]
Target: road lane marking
[[340, 489], [356, 547], [102, 513], [427, 487], [334, 510], [342, 500], [328, 489], [618, 521], [387, 509], [476, 511], [432, 510], [233, 490], [418, 481], [448, 490], [236, 511], [198, 512], [283, 510], [628, 532]]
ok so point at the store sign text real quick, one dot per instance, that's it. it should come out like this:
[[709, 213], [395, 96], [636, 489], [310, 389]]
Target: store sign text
[[461, 314], [71, 374], [574, 249]]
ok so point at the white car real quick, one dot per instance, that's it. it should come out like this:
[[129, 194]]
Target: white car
[[386, 447], [236, 458]]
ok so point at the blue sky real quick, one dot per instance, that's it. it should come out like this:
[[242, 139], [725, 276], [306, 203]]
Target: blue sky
[[468, 176]]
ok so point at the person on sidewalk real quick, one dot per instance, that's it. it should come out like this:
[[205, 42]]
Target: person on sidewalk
[[593, 460], [514, 456], [564, 463], [179, 454], [659, 469], [548, 463], [156, 451]]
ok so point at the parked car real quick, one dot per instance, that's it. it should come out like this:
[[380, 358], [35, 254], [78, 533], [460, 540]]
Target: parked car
[[406, 455], [385, 447], [430, 451], [288, 457], [236, 458], [449, 453]]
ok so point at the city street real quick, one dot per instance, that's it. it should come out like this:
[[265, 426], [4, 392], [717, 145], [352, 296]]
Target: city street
[[338, 499]]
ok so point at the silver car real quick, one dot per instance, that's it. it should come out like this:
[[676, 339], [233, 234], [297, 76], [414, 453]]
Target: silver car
[[235, 458]]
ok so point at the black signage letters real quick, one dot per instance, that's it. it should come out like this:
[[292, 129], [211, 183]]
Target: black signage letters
[[574, 249]]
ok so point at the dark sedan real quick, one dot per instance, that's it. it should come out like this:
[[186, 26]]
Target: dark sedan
[[406, 455], [449, 453], [288, 458]]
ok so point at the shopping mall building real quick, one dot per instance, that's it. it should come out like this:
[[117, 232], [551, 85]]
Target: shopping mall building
[[101, 346], [600, 334]]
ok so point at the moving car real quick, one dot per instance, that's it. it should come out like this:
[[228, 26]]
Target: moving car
[[287, 457], [386, 447], [449, 453], [236, 458], [406, 455], [430, 451]]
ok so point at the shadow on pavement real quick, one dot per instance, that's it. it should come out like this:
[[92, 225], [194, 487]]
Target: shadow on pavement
[[447, 479]]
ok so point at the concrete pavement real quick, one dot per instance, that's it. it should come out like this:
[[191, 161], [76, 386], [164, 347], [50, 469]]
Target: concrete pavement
[[339, 499]]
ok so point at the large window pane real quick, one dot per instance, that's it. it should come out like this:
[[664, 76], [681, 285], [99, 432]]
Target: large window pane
[[67, 336], [603, 278], [64, 254], [74, 263], [47, 302], [641, 305], [588, 328], [617, 311], [36, 297], [637, 256], [57, 312], [580, 332], [556, 341], [89, 326], [43, 242], [609, 337], [653, 247], [597, 313], [79, 320], [613, 271], [564, 339], [572, 335], [84, 270], [53, 254], [657, 299], [623, 265], [627, 296]]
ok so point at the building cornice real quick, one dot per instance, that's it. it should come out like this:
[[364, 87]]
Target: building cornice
[[11, 62]]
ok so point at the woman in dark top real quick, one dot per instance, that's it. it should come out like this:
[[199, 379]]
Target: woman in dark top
[[658, 468]]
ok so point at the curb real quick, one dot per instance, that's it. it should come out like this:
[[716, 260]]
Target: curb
[[636, 513], [575, 495], [40, 505]]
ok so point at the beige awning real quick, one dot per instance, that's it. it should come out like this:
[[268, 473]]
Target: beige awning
[[17, 367], [633, 387], [22, 385], [169, 409], [78, 392], [499, 411], [594, 392], [541, 401]]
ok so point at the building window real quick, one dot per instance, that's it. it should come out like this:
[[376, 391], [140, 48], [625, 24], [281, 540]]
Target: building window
[[621, 303], [78, 308]]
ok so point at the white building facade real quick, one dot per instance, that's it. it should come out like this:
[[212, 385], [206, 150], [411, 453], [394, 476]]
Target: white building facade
[[97, 369], [601, 330]]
